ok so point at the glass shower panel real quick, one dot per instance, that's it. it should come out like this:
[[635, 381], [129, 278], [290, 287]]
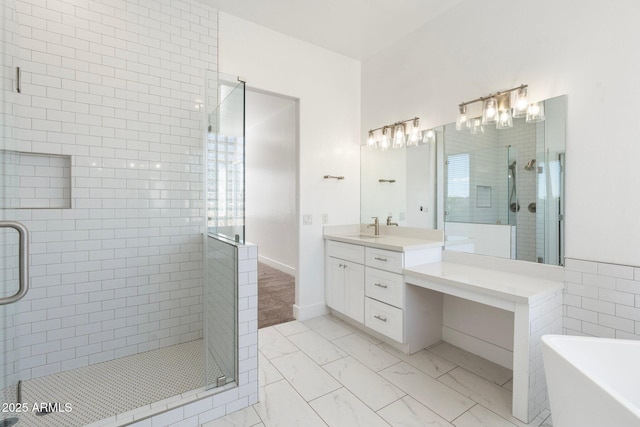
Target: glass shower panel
[[550, 199], [225, 161], [225, 226], [220, 312]]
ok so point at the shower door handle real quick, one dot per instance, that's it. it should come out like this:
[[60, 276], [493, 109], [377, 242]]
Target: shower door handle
[[23, 261]]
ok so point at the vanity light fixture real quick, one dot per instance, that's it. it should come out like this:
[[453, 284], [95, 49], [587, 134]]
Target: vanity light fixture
[[496, 108], [476, 125], [535, 112], [429, 136], [396, 135], [520, 106], [504, 119], [489, 110], [463, 122], [399, 136], [371, 141], [416, 133], [384, 142]]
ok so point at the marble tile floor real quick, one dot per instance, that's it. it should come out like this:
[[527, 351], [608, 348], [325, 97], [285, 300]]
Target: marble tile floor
[[326, 372]]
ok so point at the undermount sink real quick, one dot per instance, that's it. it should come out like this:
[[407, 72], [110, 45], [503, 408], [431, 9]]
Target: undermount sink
[[364, 236]]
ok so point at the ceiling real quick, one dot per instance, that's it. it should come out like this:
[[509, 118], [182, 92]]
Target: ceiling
[[355, 28]]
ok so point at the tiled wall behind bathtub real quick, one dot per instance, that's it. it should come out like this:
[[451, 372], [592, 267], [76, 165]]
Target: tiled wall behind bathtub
[[601, 299], [117, 85]]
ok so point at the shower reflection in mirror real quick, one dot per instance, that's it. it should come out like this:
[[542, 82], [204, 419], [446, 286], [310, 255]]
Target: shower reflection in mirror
[[522, 165]]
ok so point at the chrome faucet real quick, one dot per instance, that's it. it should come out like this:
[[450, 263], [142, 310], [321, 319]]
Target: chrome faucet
[[375, 224], [391, 223]]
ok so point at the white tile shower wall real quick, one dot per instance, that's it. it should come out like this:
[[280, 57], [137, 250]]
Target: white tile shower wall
[[602, 299], [487, 167], [216, 406], [116, 85]]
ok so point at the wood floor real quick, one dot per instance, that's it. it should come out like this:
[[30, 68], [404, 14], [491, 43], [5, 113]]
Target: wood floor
[[276, 296]]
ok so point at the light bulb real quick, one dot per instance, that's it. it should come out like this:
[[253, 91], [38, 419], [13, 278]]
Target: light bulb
[[535, 112], [504, 120], [489, 111], [463, 122], [476, 126], [371, 141], [520, 109], [398, 138], [384, 142], [429, 136]]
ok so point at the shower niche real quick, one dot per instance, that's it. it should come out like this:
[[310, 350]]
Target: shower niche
[[35, 180]]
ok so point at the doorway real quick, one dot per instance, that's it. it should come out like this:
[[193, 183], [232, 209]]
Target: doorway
[[271, 200]]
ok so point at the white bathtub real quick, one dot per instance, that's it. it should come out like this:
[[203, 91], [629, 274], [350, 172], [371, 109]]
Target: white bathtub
[[592, 382]]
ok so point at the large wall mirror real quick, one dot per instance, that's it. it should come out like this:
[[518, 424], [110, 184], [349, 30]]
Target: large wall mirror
[[495, 192]]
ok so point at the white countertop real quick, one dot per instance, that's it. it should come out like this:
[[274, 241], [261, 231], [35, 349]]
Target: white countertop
[[509, 286], [385, 241]]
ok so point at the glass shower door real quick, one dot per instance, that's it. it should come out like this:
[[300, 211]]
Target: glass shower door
[[13, 238]]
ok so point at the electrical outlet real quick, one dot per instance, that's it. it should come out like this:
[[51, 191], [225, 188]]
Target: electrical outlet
[[307, 219], [325, 218], [402, 216]]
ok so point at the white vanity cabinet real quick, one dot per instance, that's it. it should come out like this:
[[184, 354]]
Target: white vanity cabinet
[[345, 279], [366, 283]]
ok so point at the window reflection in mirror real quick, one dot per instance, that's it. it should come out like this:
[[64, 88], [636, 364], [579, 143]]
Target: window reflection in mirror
[[504, 189]]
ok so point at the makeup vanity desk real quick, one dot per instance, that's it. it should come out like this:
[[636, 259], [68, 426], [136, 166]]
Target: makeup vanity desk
[[533, 292]]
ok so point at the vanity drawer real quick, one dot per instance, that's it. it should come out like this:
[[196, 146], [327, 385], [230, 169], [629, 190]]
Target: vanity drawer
[[384, 260], [383, 318], [346, 251], [384, 286]]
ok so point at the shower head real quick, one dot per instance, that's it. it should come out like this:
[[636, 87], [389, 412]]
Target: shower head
[[531, 165], [512, 166]]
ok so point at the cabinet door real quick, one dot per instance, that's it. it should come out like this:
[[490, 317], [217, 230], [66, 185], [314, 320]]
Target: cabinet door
[[335, 284], [354, 290]]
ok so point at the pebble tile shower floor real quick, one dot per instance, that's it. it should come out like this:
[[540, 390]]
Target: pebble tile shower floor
[[105, 389]]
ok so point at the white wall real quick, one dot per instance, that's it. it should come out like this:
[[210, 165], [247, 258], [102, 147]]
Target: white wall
[[583, 49], [271, 178], [113, 85], [328, 88]]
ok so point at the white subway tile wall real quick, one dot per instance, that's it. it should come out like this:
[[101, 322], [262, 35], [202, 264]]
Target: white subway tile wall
[[486, 158], [545, 317], [601, 299], [117, 85]]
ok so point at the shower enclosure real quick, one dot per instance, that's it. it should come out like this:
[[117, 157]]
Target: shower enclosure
[[127, 303]]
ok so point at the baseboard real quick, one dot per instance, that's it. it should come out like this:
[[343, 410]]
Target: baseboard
[[309, 311], [277, 265], [492, 352]]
